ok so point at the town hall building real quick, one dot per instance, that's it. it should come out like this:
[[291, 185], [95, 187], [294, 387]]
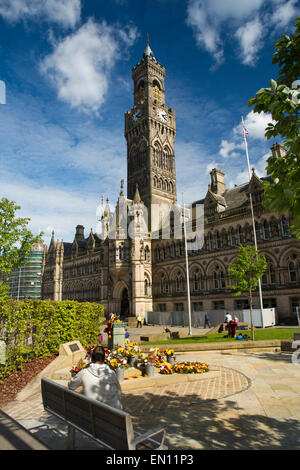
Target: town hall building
[[131, 268]]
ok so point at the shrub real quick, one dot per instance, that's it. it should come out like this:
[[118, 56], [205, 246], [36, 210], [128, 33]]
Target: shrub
[[35, 328]]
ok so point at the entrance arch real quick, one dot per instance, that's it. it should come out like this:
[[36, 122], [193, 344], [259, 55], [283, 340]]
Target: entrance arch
[[124, 303]]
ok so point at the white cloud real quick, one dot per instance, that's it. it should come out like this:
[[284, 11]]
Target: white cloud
[[50, 207], [205, 29], [250, 38], [226, 149], [285, 13], [65, 13], [81, 63], [215, 22], [256, 124]]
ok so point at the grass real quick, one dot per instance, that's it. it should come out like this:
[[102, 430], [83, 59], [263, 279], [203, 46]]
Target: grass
[[259, 334]]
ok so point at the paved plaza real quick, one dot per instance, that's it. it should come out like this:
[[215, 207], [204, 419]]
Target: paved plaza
[[253, 402]]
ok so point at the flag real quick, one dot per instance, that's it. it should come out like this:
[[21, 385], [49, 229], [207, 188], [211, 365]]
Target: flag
[[245, 132]]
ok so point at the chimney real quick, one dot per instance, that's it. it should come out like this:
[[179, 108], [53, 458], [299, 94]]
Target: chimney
[[79, 235], [278, 150], [217, 181]]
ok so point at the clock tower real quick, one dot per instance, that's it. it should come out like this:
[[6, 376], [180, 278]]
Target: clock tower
[[150, 131]]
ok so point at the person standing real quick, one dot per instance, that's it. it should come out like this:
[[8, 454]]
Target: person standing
[[139, 321], [206, 321]]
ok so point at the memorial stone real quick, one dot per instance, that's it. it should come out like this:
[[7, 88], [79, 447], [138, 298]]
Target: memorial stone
[[118, 336]]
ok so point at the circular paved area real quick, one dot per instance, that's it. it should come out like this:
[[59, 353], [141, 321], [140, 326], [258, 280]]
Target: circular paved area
[[228, 382]]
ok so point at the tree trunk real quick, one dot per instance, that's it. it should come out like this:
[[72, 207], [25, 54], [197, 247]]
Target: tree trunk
[[251, 319]]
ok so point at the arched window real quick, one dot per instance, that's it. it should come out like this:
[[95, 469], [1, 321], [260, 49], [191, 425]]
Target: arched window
[[258, 231], [285, 227], [179, 282], [218, 278], [218, 241], [156, 91], [211, 242], [241, 235], [146, 284], [266, 230], [233, 237], [292, 272], [272, 274]]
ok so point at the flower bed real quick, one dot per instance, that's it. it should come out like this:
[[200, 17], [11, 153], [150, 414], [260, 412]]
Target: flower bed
[[190, 367], [118, 358]]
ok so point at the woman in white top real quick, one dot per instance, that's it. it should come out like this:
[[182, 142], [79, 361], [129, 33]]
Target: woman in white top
[[99, 381]]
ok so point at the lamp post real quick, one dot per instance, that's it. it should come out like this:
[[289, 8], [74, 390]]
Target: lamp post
[[252, 215], [187, 270]]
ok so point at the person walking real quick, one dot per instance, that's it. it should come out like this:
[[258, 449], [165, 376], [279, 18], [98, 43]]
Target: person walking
[[98, 380], [139, 321], [206, 321]]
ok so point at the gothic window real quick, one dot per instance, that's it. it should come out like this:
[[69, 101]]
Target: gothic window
[[292, 272], [147, 253], [146, 286], [218, 240], [258, 231], [179, 282], [285, 227], [218, 278], [233, 237], [156, 92], [241, 235], [266, 230], [163, 285], [272, 274], [211, 242], [141, 92], [171, 187]]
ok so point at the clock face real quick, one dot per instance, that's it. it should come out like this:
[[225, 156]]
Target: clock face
[[162, 115], [136, 115]]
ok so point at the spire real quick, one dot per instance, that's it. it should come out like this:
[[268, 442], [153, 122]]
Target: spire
[[137, 197], [148, 51], [106, 210], [122, 187]]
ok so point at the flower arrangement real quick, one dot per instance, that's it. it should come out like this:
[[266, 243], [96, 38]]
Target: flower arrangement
[[132, 349], [110, 324], [117, 358], [78, 367], [169, 353], [166, 368], [190, 367], [159, 356], [149, 358]]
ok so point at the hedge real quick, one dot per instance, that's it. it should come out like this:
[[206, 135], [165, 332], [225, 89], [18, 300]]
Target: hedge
[[36, 328]]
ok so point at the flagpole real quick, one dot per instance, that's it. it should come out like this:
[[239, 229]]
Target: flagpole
[[253, 221], [187, 271]]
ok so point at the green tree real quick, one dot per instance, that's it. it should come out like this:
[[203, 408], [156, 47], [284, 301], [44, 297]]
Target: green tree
[[15, 241], [282, 100], [246, 272]]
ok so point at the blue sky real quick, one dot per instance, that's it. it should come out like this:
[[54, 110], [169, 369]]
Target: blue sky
[[67, 70]]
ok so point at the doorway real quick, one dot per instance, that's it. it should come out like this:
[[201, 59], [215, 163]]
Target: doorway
[[125, 304]]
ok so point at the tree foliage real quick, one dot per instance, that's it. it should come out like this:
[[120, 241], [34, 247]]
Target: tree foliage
[[246, 271], [282, 100], [15, 241]]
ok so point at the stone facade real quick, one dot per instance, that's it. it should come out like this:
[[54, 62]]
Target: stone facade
[[130, 274]]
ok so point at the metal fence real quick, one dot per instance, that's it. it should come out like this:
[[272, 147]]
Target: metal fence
[[197, 318]]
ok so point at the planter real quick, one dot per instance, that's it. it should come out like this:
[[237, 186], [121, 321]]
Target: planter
[[171, 360], [120, 373], [149, 370], [133, 361]]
